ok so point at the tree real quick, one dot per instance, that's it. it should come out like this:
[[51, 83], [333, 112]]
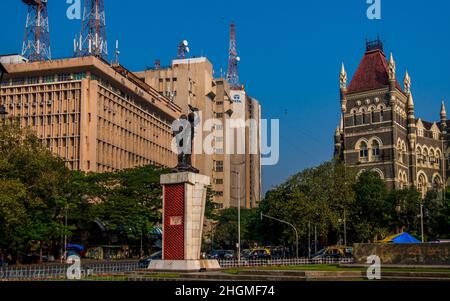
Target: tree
[[369, 215], [37, 179], [403, 210]]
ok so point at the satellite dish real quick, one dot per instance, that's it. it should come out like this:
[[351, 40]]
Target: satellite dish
[[185, 43], [187, 49], [238, 59]]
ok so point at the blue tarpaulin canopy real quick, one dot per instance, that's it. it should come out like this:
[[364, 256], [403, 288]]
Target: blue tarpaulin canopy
[[401, 238]]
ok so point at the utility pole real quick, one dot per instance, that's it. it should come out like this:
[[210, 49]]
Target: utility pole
[[309, 239], [239, 217], [315, 239], [421, 220], [345, 229], [287, 223]]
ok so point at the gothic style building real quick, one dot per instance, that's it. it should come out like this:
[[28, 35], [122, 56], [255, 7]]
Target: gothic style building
[[379, 130]]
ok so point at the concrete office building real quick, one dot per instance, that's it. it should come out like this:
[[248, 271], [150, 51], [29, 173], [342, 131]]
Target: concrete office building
[[191, 82], [97, 117]]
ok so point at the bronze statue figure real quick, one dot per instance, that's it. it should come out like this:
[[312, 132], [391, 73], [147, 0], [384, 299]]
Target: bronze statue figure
[[184, 143]]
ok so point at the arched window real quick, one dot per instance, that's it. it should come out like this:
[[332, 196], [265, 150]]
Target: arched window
[[432, 157], [363, 116], [422, 185], [437, 183], [419, 155], [438, 158], [401, 183], [399, 151], [375, 150], [425, 156], [354, 118], [372, 116], [381, 115], [363, 151]]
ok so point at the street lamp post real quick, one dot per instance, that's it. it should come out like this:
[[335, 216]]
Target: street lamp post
[[287, 223], [421, 220], [239, 217]]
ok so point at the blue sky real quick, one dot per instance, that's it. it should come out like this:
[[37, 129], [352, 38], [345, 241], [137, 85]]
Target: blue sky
[[291, 54]]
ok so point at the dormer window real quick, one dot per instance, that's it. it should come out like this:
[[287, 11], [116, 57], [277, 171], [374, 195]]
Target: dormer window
[[420, 132]]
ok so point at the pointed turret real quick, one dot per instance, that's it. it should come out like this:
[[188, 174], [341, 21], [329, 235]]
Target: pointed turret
[[410, 103], [392, 67], [343, 86], [443, 117], [343, 77], [407, 83]]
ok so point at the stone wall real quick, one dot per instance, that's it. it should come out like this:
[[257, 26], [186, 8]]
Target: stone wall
[[428, 253]]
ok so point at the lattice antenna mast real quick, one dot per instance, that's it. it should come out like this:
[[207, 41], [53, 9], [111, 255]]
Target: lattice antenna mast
[[93, 30], [36, 43], [233, 59]]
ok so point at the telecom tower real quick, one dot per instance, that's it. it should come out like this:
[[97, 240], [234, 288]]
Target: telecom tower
[[36, 43], [233, 59], [92, 39]]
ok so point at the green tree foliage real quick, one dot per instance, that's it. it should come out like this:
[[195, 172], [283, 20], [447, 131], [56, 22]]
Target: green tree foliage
[[32, 190], [226, 231], [315, 197], [37, 192], [131, 200]]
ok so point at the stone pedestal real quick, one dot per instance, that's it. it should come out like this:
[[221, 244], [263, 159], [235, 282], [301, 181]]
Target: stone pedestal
[[184, 201]]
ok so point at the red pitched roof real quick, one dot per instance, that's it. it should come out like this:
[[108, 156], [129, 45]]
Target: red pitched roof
[[372, 73]]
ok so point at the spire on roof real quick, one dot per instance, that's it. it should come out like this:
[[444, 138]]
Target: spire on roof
[[343, 77], [443, 111], [407, 83], [392, 67], [410, 101]]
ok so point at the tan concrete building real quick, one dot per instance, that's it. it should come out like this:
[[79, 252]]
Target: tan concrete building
[[191, 82], [97, 117]]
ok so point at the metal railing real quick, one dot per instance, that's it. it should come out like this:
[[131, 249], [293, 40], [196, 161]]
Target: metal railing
[[59, 271], [231, 263]]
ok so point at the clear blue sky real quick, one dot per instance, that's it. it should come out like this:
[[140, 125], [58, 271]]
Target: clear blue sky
[[291, 53]]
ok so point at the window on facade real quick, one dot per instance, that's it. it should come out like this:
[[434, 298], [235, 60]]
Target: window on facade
[[363, 116], [372, 116], [421, 185], [218, 166], [436, 183], [375, 150], [354, 118], [363, 152]]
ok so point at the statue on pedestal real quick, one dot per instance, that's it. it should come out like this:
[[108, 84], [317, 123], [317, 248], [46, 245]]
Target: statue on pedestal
[[184, 131]]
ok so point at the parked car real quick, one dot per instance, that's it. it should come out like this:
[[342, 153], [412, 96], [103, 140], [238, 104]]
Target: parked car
[[334, 252], [145, 261], [221, 254], [262, 253]]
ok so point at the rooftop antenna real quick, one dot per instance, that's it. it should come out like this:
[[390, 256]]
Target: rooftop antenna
[[93, 30], [233, 59], [36, 43], [183, 49], [157, 64], [117, 53]]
